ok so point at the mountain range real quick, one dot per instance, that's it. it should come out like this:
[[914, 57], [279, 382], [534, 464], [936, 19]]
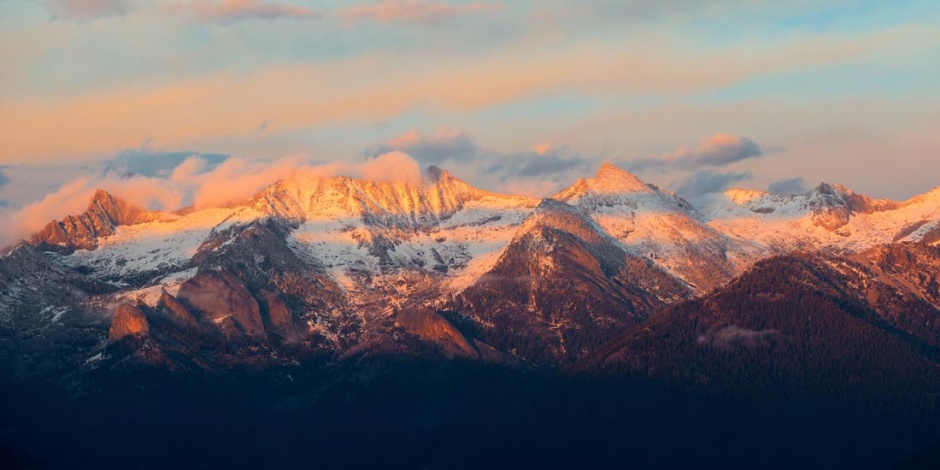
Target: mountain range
[[823, 297]]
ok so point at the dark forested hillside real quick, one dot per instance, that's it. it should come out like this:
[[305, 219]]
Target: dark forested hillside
[[792, 328]]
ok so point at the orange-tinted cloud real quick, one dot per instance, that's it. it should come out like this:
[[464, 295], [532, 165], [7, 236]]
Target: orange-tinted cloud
[[443, 145], [417, 11], [716, 150], [232, 181], [393, 166], [228, 11], [70, 199], [379, 87]]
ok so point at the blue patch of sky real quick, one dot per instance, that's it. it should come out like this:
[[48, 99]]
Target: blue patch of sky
[[779, 23], [21, 14], [866, 78]]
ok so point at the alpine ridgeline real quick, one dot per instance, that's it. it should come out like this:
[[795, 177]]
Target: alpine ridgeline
[[609, 275]]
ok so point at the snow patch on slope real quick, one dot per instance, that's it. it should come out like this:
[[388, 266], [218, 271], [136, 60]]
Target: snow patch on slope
[[461, 248], [150, 296], [785, 222], [155, 247]]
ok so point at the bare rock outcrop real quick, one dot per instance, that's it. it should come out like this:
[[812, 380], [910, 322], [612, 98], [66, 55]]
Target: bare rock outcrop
[[433, 328], [224, 301], [104, 214], [176, 312], [128, 321], [278, 317]]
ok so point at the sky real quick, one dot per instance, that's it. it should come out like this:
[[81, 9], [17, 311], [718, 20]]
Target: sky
[[158, 98]]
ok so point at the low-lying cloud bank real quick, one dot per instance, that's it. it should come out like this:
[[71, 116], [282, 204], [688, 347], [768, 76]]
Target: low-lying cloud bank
[[715, 151], [537, 172], [732, 337], [174, 180], [198, 183]]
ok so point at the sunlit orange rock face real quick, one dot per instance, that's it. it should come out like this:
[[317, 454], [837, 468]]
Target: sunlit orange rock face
[[104, 214], [128, 321], [433, 328], [225, 301]]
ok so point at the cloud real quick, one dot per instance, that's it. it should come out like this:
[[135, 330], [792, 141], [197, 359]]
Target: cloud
[[443, 145], [230, 11], [71, 198], [88, 9], [788, 186], [4, 179], [148, 163], [548, 163], [196, 181], [347, 90], [717, 150], [264, 125], [392, 166], [707, 182], [724, 149], [731, 337], [537, 172], [414, 11]]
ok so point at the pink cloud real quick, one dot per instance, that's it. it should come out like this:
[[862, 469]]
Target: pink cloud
[[70, 199], [415, 11], [392, 166], [444, 145], [717, 150], [408, 139], [720, 149], [228, 11], [238, 179], [233, 181]]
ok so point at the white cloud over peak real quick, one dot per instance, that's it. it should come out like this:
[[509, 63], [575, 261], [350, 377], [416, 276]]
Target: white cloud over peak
[[198, 183]]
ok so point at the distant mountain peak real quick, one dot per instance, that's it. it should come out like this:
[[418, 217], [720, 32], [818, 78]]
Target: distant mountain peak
[[104, 214], [610, 180], [548, 205], [613, 179]]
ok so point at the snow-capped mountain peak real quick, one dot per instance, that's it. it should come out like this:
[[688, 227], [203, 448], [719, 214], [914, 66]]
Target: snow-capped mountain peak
[[829, 216], [445, 228], [419, 205], [104, 214], [609, 181]]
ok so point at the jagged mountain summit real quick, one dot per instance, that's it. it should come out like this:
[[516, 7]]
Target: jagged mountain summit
[[104, 214], [657, 225], [828, 216], [346, 267]]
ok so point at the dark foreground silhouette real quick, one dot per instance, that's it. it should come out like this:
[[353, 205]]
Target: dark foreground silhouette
[[399, 413]]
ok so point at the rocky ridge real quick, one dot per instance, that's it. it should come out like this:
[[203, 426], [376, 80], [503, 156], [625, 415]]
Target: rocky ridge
[[347, 267]]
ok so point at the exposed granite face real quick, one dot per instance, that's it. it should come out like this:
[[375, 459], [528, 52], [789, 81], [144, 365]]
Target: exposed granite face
[[431, 327], [128, 321], [171, 308], [104, 214], [278, 317], [223, 300], [566, 285]]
